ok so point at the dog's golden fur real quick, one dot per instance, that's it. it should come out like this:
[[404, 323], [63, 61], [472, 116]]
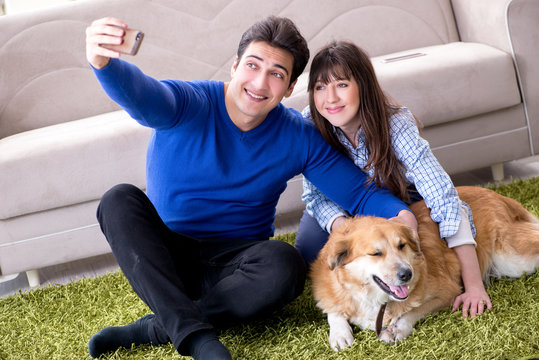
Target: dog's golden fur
[[420, 276]]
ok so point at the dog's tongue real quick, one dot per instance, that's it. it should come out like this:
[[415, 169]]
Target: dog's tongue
[[401, 291]]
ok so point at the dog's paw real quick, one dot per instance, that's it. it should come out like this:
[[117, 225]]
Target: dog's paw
[[396, 331], [341, 338], [387, 335], [340, 332]]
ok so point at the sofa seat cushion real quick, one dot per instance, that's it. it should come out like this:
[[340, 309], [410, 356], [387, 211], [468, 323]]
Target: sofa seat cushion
[[448, 82], [70, 163]]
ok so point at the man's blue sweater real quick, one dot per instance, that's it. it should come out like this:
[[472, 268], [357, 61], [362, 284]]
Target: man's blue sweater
[[209, 180]]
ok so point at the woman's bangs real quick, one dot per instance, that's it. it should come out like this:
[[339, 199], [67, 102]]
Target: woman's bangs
[[333, 69]]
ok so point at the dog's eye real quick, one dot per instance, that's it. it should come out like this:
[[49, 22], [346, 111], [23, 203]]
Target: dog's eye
[[378, 253], [401, 246]]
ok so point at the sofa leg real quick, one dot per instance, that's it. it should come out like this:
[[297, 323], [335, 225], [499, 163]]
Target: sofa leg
[[497, 172], [33, 278]]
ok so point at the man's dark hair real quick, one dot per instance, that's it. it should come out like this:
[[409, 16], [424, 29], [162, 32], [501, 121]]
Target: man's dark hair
[[281, 33]]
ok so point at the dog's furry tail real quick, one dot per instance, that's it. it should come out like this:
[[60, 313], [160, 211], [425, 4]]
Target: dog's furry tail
[[516, 248]]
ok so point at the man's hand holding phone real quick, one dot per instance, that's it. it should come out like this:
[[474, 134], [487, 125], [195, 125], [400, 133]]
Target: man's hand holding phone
[[108, 38]]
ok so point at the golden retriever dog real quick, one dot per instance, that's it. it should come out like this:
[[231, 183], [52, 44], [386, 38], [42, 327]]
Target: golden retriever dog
[[369, 262]]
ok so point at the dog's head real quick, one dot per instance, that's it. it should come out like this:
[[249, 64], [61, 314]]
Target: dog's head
[[375, 254]]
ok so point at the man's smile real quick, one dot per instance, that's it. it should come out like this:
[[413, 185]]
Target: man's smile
[[255, 96]]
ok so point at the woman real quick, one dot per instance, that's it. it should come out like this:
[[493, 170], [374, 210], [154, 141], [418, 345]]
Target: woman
[[353, 114]]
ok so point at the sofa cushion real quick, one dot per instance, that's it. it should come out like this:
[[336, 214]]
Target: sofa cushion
[[70, 163], [449, 82]]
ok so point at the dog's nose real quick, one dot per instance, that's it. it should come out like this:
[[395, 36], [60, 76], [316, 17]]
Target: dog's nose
[[404, 274]]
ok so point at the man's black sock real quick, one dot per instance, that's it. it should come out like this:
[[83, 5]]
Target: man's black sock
[[204, 345], [114, 337]]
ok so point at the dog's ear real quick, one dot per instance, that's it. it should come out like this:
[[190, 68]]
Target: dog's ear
[[338, 254], [413, 238], [339, 245]]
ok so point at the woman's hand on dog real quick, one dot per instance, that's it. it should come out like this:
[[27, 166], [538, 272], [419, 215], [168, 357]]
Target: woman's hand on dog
[[406, 217], [338, 222]]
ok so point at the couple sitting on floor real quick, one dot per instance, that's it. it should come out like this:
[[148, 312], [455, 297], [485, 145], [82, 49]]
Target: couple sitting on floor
[[195, 247]]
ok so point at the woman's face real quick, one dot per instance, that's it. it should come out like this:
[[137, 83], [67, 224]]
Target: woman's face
[[338, 102]]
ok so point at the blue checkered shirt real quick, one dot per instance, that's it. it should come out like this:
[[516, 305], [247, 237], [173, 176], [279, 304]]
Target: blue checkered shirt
[[422, 170]]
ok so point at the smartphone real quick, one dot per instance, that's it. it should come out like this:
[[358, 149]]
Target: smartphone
[[131, 42]]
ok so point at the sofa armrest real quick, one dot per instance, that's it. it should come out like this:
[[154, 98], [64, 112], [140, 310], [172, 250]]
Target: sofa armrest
[[482, 21], [512, 26], [523, 28]]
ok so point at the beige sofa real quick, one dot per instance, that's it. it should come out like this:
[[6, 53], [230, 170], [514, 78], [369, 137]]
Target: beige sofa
[[465, 68]]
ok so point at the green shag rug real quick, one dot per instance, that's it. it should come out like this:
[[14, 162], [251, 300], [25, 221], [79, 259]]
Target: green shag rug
[[56, 322]]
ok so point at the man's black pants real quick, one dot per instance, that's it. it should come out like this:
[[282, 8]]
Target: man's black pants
[[191, 284]]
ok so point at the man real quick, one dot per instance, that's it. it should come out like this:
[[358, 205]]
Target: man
[[196, 248]]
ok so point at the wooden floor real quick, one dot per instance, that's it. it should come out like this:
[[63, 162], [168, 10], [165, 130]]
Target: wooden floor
[[64, 273]]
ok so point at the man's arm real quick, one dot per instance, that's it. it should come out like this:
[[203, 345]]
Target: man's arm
[[151, 102], [337, 177], [331, 216]]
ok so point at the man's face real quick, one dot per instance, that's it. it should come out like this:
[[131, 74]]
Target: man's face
[[260, 80]]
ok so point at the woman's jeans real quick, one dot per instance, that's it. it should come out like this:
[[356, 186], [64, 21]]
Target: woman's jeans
[[310, 238], [193, 284]]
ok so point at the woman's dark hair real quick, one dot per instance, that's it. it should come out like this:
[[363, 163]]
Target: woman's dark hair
[[281, 33], [345, 61]]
